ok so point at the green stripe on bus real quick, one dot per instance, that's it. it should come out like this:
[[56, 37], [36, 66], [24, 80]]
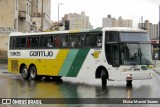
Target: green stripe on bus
[[77, 63], [68, 62]]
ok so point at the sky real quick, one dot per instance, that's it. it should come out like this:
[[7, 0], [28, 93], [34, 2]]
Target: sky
[[98, 9]]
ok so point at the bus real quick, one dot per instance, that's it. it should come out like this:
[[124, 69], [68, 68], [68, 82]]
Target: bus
[[109, 54]]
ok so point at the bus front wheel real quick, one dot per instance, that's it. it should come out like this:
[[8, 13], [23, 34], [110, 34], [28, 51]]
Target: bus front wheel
[[129, 83], [33, 73], [103, 77], [24, 73]]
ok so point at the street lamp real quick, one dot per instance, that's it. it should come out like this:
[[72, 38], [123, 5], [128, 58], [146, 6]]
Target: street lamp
[[58, 13]]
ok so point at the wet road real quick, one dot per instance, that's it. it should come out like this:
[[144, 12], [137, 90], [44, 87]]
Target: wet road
[[13, 86]]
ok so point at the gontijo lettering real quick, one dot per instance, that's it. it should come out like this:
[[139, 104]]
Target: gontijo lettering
[[41, 53]]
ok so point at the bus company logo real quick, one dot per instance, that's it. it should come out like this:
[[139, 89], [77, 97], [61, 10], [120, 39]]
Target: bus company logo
[[41, 53], [96, 54]]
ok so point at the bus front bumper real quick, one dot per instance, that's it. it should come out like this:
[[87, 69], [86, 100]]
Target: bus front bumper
[[138, 75]]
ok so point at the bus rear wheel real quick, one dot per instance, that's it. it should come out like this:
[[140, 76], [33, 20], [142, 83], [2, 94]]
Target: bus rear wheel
[[33, 73], [24, 73], [103, 77], [56, 77]]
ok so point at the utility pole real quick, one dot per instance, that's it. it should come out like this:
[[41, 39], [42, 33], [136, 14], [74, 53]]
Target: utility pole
[[42, 16], [159, 34], [58, 14]]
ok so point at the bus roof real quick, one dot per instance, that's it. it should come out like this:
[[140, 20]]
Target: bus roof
[[123, 29], [120, 29]]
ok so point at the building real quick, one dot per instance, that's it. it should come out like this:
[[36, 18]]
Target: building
[[112, 22], [40, 15], [8, 20], [107, 22], [152, 29], [8, 16], [22, 16], [77, 21], [25, 15]]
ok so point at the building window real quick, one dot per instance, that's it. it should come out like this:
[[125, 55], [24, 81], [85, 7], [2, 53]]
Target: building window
[[16, 4], [27, 8]]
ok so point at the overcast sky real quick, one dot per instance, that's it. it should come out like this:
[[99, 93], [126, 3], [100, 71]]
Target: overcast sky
[[98, 9]]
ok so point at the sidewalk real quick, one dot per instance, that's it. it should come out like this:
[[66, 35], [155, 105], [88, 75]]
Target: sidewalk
[[157, 66], [3, 66]]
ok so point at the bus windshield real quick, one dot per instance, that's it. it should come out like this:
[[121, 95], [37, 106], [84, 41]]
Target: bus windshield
[[135, 54], [128, 48]]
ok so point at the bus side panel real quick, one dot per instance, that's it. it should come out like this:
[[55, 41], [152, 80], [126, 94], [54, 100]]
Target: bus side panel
[[77, 63], [89, 66], [13, 65], [51, 67], [67, 65], [60, 58]]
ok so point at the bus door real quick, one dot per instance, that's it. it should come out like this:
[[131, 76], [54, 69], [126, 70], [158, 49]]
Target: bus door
[[113, 58], [112, 54], [115, 55]]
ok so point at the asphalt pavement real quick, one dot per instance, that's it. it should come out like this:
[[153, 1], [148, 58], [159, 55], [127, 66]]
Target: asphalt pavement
[[13, 86]]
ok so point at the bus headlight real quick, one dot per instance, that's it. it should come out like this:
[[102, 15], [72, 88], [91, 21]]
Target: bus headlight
[[129, 77]]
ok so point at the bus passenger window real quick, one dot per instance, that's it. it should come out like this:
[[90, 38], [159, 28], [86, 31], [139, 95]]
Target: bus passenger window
[[57, 41], [18, 42], [50, 41], [91, 39], [28, 42], [34, 42], [99, 40], [72, 40], [64, 41], [82, 39], [75, 41]]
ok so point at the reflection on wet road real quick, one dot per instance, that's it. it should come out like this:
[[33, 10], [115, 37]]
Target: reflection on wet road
[[13, 86]]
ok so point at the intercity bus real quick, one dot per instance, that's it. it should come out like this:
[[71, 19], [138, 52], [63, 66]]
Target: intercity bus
[[103, 53]]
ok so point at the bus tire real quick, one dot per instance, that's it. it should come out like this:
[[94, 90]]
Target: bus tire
[[129, 82], [56, 77], [103, 77], [33, 73], [24, 73]]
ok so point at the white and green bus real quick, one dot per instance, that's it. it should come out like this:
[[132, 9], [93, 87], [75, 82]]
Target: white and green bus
[[102, 53]]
